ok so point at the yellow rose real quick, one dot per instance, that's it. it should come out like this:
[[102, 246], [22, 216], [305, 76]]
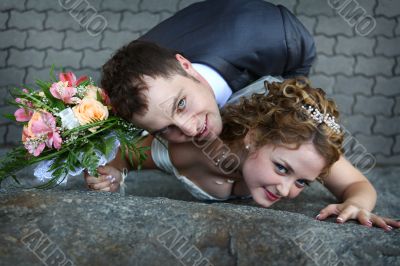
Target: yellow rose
[[91, 92], [90, 110]]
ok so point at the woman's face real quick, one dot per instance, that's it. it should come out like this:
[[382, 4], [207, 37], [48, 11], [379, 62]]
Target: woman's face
[[272, 172]]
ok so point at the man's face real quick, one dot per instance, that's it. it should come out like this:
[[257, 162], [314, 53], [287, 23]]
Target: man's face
[[180, 108]]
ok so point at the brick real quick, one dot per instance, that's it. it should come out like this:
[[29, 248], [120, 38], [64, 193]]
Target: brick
[[121, 5], [3, 20], [387, 160], [157, 6], [388, 8], [387, 125], [80, 40], [396, 147], [373, 105], [61, 21], [139, 21], [186, 3], [26, 20], [115, 40], [25, 58], [374, 66], [358, 123], [44, 39], [314, 7], [324, 82], [95, 59], [354, 84], [324, 44], [344, 103], [376, 144], [13, 135], [334, 64], [397, 30], [397, 106], [332, 26], [387, 86], [397, 69], [40, 5], [384, 27], [11, 4], [113, 19], [33, 74], [64, 58], [13, 38], [388, 46], [11, 76], [3, 58], [308, 22], [355, 45]]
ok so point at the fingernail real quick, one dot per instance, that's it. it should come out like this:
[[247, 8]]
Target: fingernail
[[317, 217], [389, 227], [369, 223], [113, 180], [339, 220], [109, 177]]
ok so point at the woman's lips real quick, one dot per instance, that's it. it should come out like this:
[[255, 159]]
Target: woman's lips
[[270, 196]]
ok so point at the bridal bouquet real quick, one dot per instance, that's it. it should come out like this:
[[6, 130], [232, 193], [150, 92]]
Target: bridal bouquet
[[68, 126]]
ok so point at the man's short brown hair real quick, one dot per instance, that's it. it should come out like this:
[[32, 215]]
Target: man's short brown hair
[[122, 75]]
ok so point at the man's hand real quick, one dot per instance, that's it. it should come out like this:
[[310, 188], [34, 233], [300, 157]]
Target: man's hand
[[109, 179], [348, 210]]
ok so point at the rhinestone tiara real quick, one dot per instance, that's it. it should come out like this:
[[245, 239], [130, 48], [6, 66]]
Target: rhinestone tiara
[[320, 118]]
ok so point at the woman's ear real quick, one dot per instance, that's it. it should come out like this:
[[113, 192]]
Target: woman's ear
[[247, 141]]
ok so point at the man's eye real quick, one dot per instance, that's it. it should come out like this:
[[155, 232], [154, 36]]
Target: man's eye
[[300, 183], [164, 130], [181, 104], [281, 169]]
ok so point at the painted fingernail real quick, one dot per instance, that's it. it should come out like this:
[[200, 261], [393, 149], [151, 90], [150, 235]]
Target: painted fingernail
[[109, 177], [389, 227], [317, 217], [339, 220]]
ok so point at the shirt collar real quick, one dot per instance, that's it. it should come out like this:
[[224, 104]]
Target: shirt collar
[[221, 89]]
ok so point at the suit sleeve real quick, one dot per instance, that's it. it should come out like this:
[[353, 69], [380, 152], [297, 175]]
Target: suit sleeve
[[300, 46]]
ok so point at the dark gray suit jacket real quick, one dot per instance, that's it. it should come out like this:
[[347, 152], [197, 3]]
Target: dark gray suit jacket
[[241, 39]]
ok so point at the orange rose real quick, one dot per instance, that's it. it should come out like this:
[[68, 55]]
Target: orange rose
[[90, 110], [91, 92]]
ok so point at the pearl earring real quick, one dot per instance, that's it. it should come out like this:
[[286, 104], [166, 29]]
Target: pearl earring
[[247, 147]]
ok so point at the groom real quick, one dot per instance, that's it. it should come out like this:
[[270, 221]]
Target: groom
[[173, 80]]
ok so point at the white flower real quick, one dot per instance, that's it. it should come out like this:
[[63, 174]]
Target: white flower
[[68, 118]]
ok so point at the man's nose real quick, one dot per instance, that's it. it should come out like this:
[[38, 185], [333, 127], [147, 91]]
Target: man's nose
[[188, 126]]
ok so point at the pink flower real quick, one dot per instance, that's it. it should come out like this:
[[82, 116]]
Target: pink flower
[[62, 91], [23, 114], [41, 131], [71, 79]]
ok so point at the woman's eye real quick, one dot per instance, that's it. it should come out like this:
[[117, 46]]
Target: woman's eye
[[281, 169], [302, 182], [181, 104]]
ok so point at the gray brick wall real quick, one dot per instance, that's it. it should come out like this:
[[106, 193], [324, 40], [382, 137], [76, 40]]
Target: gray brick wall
[[359, 69]]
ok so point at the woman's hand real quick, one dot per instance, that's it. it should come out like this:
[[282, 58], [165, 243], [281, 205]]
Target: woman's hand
[[109, 179], [348, 210]]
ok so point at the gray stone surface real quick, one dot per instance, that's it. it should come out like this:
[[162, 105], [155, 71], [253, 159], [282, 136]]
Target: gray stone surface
[[146, 228], [374, 66], [353, 85], [373, 105]]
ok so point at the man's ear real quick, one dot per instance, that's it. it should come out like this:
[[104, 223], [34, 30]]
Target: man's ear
[[186, 64]]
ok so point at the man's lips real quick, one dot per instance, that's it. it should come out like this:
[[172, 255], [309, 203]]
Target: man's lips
[[270, 196], [203, 131]]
